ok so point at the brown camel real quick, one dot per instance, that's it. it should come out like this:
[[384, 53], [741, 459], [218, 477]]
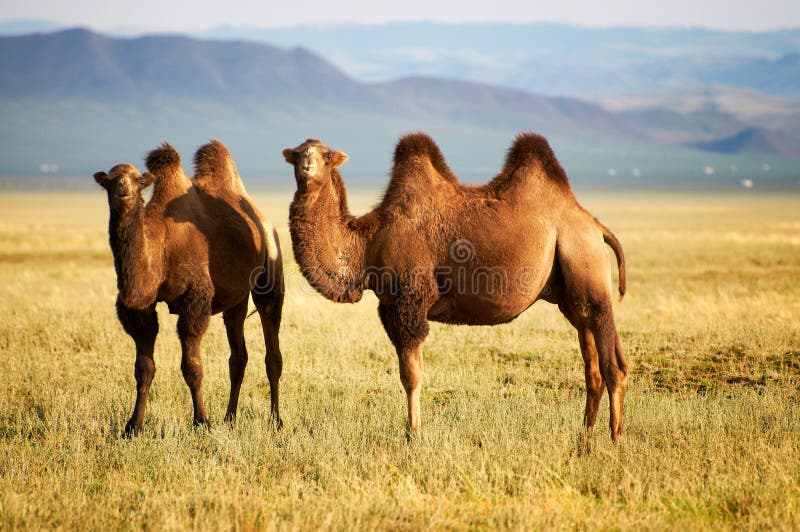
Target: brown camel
[[434, 249], [201, 246]]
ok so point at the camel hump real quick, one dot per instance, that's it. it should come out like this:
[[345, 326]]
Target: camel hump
[[164, 161], [214, 168], [419, 144], [529, 148]]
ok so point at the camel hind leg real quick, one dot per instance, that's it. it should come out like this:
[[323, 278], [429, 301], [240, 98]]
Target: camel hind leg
[[592, 374], [584, 263], [234, 327], [268, 299]]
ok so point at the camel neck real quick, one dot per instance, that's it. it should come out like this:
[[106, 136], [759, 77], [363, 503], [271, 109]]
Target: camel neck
[[136, 279], [328, 243]]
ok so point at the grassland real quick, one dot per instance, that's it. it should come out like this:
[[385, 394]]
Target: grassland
[[712, 435]]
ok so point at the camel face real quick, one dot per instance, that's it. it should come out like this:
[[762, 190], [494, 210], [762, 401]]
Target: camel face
[[312, 161], [124, 185]]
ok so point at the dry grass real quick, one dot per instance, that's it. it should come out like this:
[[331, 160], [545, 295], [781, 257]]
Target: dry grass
[[712, 418]]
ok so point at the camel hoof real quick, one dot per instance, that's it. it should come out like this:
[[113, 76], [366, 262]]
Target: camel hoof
[[131, 430], [201, 423], [278, 424], [230, 418], [583, 445], [411, 435]]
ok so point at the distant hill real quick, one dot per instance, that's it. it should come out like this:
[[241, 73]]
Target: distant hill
[[81, 101], [83, 64], [551, 59], [56, 86], [554, 59], [753, 140], [707, 113], [491, 105], [80, 63]]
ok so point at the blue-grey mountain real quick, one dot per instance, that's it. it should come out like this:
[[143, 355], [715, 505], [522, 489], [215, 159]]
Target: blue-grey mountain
[[81, 101]]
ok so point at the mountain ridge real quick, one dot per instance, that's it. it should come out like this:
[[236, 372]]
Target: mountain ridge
[[752, 140], [79, 62], [74, 96]]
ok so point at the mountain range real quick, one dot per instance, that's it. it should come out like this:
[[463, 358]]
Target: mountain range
[[552, 59], [82, 101], [752, 140]]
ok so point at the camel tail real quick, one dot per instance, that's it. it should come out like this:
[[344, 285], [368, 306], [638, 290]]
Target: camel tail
[[164, 161], [611, 240], [420, 144], [214, 167]]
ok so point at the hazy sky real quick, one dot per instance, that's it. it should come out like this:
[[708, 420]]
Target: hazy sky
[[164, 15]]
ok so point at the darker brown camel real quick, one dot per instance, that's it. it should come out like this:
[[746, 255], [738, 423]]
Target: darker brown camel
[[437, 250], [201, 246]]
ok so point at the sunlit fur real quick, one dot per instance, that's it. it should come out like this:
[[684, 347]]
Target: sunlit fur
[[524, 221]]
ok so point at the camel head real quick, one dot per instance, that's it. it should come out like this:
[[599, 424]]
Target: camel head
[[124, 185], [313, 162]]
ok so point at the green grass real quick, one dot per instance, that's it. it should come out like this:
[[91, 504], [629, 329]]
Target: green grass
[[712, 420]]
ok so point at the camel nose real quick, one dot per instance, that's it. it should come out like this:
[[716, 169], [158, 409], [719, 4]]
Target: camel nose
[[124, 189]]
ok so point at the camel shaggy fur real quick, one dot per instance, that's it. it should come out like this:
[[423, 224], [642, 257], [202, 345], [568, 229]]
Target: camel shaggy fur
[[201, 246], [437, 250]]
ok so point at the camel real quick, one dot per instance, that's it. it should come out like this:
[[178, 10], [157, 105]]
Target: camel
[[201, 246], [436, 250]]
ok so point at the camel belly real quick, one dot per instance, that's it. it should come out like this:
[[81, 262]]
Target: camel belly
[[477, 310], [487, 296], [492, 284]]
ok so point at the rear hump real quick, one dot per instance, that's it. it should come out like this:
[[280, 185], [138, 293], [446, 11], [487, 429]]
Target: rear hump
[[529, 148], [215, 170]]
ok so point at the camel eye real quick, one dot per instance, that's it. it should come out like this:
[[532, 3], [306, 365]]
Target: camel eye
[[328, 156], [141, 181]]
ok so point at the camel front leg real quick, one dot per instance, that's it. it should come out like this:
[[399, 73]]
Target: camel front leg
[[411, 372], [407, 328], [142, 326]]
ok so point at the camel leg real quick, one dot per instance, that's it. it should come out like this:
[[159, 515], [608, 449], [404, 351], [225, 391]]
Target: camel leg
[[583, 260], [411, 373], [234, 327], [591, 367], [192, 325], [594, 379], [270, 306], [613, 366], [407, 328], [142, 326]]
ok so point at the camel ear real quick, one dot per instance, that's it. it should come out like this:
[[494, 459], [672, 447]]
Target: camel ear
[[101, 178], [338, 158], [288, 155], [146, 180]]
